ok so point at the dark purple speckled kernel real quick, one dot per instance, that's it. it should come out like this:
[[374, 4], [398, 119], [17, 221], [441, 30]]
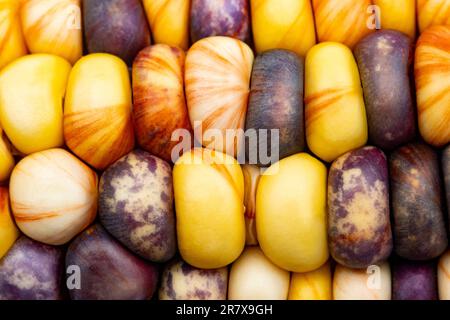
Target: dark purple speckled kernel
[[181, 281], [358, 208], [220, 18], [136, 205], [414, 280], [32, 271]]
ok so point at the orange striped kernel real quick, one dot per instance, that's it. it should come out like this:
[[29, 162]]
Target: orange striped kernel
[[53, 27], [432, 75], [12, 43], [283, 24], [433, 12], [169, 21], [53, 196], [159, 102], [314, 285], [343, 21], [335, 113], [97, 111], [443, 275], [217, 83]]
